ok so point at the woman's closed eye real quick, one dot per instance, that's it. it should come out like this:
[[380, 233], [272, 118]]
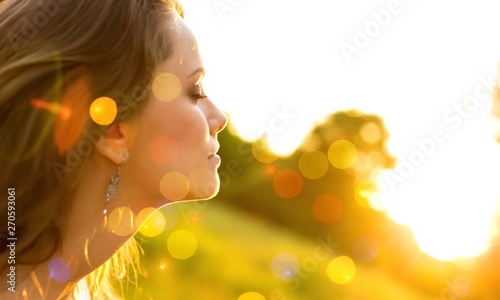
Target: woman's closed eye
[[198, 94]]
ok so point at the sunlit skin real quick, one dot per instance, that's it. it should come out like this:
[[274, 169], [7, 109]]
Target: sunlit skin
[[192, 120]]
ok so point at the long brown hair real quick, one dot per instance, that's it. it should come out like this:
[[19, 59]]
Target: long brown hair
[[57, 56]]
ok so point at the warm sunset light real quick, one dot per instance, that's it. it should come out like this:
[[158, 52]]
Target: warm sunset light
[[250, 150], [430, 83]]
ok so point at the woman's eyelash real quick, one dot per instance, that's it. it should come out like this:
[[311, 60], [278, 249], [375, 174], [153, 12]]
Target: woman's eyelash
[[199, 95]]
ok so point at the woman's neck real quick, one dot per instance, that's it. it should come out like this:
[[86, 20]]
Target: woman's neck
[[87, 241]]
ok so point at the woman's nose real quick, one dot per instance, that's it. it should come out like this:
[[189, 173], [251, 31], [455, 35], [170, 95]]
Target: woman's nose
[[217, 120]]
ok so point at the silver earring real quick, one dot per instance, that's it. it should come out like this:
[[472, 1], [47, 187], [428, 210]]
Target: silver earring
[[112, 188]]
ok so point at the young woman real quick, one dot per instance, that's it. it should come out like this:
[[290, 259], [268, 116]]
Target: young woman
[[102, 118]]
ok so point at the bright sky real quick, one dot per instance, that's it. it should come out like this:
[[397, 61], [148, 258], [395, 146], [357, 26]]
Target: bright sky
[[424, 66]]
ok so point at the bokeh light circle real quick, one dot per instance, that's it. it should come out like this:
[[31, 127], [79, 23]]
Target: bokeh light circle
[[377, 159], [313, 164], [328, 208], [342, 154], [103, 110], [174, 186], [363, 192], [182, 244], [121, 221], [270, 169], [287, 183], [251, 296], [166, 87], [341, 270], [365, 249], [370, 133], [311, 142], [262, 153], [59, 270], [285, 266], [150, 222], [164, 150]]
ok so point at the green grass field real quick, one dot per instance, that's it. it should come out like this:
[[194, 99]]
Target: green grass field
[[234, 255]]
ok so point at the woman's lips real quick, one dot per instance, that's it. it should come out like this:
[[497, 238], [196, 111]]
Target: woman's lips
[[214, 158]]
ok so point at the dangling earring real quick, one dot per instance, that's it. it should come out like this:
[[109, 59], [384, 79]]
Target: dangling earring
[[112, 188]]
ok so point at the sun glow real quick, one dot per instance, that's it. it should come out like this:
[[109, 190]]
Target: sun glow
[[450, 203], [296, 73]]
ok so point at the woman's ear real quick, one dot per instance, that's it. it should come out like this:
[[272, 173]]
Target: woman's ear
[[116, 144]]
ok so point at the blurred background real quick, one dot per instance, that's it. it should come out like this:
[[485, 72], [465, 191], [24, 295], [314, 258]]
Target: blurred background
[[360, 161]]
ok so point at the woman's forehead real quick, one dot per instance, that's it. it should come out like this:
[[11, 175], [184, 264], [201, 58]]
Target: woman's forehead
[[185, 59]]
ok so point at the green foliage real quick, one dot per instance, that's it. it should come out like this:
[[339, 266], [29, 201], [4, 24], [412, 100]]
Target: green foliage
[[241, 230], [252, 190]]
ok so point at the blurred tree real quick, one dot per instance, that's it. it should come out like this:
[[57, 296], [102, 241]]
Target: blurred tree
[[321, 190], [254, 188]]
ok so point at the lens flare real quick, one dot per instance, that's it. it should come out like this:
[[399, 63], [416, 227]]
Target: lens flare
[[370, 133], [285, 266], [174, 186], [121, 221], [55, 108], [59, 270], [150, 222], [313, 164], [182, 244], [166, 87], [68, 130], [103, 110], [363, 193], [328, 208], [270, 170], [342, 154], [287, 183], [341, 270]]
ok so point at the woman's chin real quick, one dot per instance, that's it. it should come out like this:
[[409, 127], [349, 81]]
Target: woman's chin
[[204, 191], [206, 196]]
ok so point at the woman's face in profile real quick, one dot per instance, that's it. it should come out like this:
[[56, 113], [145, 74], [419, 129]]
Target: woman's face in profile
[[173, 153]]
